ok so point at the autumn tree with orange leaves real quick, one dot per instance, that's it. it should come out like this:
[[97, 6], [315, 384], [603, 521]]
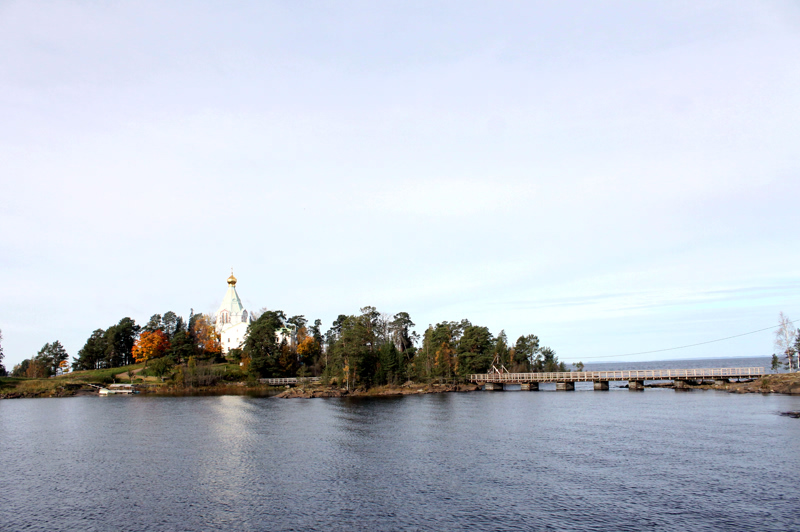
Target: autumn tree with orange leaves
[[151, 344], [205, 336], [307, 347]]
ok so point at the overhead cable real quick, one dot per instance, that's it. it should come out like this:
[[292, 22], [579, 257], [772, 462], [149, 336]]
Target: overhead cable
[[685, 346]]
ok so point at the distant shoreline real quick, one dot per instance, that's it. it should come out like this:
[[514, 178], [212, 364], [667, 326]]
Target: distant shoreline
[[779, 383]]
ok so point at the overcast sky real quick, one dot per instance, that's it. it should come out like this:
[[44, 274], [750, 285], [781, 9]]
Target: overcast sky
[[614, 177]]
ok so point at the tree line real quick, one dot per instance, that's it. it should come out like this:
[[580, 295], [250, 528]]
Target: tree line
[[167, 335], [50, 360], [374, 348], [168, 338], [366, 349], [370, 348]]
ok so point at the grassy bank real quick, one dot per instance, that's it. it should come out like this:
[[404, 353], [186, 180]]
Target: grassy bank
[[101, 376], [205, 379], [11, 387], [62, 385]]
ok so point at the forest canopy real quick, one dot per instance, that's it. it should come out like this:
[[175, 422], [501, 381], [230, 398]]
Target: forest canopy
[[370, 348]]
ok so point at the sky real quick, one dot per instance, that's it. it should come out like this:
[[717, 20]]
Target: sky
[[613, 176]]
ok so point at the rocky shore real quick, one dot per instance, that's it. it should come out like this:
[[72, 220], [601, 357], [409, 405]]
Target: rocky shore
[[785, 383], [312, 392]]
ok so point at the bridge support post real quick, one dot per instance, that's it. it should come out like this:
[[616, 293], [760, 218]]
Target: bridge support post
[[565, 386], [529, 387], [680, 385], [636, 385], [493, 386], [601, 385]]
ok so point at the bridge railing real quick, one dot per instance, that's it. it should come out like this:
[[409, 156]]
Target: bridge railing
[[288, 380], [641, 374]]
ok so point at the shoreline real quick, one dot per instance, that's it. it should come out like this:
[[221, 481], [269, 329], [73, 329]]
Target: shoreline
[[781, 383], [314, 392]]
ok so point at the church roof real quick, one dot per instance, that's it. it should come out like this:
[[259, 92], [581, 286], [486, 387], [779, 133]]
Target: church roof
[[231, 301]]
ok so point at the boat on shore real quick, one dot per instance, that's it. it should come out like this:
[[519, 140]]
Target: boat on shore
[[118, 389]]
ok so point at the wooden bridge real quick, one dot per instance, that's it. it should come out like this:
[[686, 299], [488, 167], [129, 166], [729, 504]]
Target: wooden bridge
[[565, 380], [289, 381]]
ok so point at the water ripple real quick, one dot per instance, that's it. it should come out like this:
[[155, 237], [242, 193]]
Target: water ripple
[[506, 461]]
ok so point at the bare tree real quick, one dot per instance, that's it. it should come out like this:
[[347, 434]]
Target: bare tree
[[2, 368], [384, 327], [785, 336]]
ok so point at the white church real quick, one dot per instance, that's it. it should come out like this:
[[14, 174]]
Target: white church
[[232, 319]]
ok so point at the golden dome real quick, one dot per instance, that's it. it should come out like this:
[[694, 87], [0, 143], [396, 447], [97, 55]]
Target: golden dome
[[232, 279]]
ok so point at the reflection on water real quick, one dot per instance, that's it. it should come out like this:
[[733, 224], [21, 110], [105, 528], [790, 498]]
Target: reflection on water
[[582, 460]]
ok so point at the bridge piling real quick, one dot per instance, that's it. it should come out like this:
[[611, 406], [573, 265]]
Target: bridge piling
[[601, 385], [636, 385], [565, 386], [529, 387], [493, 386]]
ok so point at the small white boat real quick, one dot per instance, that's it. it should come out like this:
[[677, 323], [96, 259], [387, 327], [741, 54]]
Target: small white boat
[[115, 391]]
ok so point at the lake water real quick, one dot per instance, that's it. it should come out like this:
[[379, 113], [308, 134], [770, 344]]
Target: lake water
[[584, 460], [744, 362]]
